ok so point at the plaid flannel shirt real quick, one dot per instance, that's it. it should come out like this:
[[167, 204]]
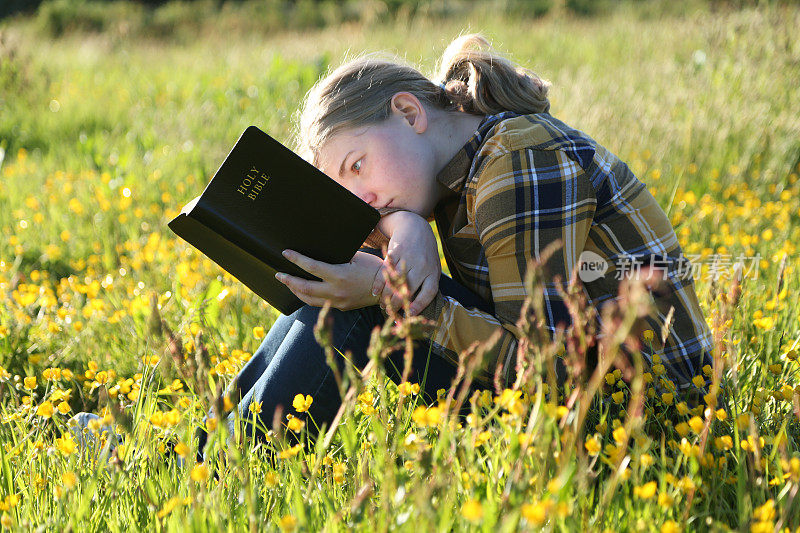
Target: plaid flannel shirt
[[522, 182]]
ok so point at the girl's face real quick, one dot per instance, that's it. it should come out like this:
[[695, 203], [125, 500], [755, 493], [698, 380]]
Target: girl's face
[[391, 163]]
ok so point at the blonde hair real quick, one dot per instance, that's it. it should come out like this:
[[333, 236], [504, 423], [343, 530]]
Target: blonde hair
[[476, 80]]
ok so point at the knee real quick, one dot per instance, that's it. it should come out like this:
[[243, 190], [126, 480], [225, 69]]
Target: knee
[[343, 330], [336, 319]]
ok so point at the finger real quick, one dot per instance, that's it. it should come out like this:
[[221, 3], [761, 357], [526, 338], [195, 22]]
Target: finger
[[401, 266], [379, 283], [412, 284], [391, 259], [426, 295], [312, 266], [307, 287], [388, 293], [410, 287], [313, 301]]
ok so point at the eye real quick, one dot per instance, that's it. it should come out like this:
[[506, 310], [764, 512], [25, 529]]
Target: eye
[[356, 166]]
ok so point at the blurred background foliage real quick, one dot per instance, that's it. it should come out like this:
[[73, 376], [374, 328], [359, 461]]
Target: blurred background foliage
[[186, 19]]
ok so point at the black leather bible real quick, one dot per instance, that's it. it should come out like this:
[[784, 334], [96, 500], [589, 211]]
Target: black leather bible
[[264, 199]]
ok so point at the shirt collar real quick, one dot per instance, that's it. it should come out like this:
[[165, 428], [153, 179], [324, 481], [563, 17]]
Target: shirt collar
[[455, 172]]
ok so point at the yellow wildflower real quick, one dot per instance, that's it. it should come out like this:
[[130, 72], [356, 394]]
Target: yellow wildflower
[[227, 403], [536, 513], [620, 435], [66, 445], [646, 460], [182, 449], [670, 526], [338, 472], [593, 445], [723, 443], [665, 500], [271, 479], [766, 512], [30, 382], [45, 410], [287, 523], [472, 510], [199, 473], [290, 452], [787, 392], [295, 424], [302, 403], [696, 423], [430, 416], [169, 506], [407, 388], [686, 484], [69, 480], [764, 323], [51, 374], [511, 400], [646, 491]]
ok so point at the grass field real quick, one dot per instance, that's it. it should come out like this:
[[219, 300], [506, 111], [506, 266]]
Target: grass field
[[105, 137]]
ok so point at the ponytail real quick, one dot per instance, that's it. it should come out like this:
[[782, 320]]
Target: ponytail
[[480, 81]]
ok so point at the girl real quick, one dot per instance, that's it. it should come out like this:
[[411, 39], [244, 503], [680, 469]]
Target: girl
[[476, 150]]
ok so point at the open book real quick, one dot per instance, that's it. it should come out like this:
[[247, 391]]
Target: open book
[[264, 199]]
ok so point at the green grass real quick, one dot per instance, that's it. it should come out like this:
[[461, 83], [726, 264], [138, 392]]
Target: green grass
[[106, 137]]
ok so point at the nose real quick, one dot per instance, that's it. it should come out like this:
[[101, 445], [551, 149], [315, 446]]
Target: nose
[[366, 196]]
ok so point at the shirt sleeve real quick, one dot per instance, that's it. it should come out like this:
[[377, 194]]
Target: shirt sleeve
[[524, 200]]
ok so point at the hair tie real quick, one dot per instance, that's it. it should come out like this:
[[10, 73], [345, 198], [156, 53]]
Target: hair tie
[[442, 85]]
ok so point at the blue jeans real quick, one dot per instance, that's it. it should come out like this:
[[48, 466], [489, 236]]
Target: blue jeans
[[289, 361]]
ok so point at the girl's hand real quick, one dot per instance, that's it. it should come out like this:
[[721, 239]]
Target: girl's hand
[[412, 249], [347, 285]]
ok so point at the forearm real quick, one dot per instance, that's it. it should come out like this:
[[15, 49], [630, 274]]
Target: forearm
[[390, 220]]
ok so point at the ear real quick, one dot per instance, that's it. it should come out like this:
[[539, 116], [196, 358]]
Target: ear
[[408, 107]]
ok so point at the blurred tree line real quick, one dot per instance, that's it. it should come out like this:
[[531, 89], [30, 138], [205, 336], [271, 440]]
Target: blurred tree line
[[162, 18]]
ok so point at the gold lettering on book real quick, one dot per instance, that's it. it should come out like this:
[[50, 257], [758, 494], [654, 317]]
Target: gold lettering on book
[[252, 183]]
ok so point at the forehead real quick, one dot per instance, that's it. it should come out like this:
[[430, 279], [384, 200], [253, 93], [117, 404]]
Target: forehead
[[335, 149]]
